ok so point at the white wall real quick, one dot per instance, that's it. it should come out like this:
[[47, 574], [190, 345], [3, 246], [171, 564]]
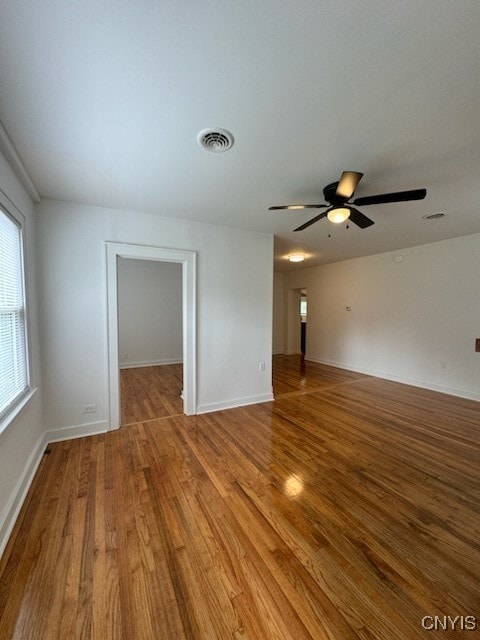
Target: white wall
[[21, 444], [149, 312], [234, 307], [414, 321]]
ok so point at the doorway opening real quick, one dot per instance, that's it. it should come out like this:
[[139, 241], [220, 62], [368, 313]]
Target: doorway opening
[[295, 321], [150, 339], [187, 261], [303, 321]]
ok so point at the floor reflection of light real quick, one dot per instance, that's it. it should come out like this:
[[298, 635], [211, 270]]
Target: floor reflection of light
[[293, 486]]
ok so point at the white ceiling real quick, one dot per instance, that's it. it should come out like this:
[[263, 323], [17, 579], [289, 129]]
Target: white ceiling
[[103, 100]]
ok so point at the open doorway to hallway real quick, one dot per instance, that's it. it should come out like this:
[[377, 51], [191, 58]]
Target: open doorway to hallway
[[295, 321], [150, 339], [303, 322]]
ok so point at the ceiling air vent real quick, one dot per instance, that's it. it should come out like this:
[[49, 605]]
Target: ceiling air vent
[[434, 216], [215, 140]]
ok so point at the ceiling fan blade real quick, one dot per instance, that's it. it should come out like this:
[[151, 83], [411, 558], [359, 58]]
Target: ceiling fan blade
[[399, 196], [359, 219], [315, 219], [293, 207], [348, 183]]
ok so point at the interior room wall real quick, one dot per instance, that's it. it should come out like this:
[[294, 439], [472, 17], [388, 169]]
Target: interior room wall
[[234, 308], [414, 314], [22, 443], [149, 312]]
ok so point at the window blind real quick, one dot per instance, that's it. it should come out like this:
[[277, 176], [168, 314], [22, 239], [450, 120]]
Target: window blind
[[13, 356]]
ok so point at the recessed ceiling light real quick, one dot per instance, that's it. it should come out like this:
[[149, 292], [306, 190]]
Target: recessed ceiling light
[[215, 140], [434, 216], [296, 257]]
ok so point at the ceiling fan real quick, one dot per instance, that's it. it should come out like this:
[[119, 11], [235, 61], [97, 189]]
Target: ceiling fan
[[339, 209]]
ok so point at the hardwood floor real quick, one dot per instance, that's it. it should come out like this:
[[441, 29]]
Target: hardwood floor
[[150, 392], [293, 374], [348, 511]]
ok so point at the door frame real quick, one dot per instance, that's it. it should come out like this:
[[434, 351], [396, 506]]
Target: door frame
[[187, 259]]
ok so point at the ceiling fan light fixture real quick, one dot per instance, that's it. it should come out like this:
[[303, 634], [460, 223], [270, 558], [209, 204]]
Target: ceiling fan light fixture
[[340, 208], [297, 257], [338, 215]]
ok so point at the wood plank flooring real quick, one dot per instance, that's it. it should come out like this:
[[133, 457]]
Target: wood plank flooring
[[150, 392], [294, 374], [348, 511]]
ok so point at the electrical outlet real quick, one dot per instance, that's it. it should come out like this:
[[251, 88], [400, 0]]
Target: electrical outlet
[[124, 355], [89, 408], [443, 364], [261, 366]]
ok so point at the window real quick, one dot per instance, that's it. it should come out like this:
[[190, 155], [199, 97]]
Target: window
[[13, 347]]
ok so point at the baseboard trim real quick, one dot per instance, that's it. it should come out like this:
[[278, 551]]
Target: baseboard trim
[[151, 363], [12, 509], [80, 431], [414, 382], [232, 404]]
